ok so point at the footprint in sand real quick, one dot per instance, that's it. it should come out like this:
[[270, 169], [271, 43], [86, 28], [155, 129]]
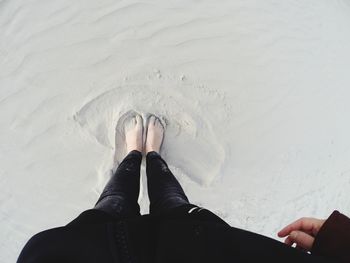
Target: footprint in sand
[[189, 143]]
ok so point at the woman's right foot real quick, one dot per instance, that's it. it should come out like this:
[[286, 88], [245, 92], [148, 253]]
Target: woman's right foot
[[133, 133], [155, 135]]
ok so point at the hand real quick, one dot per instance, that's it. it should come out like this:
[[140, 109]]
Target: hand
[[302, 232]]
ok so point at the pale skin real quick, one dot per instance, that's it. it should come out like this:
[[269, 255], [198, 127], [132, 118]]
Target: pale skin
[[302, 232], [133, 135]]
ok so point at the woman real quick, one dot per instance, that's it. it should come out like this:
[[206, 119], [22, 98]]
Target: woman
[[175, 230]]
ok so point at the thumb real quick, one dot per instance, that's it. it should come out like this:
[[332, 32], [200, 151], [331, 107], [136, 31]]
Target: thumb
[[301, 239]]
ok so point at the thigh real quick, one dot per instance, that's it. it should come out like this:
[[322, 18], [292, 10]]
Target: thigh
[[118, 206], [192, 212], [91, 216]]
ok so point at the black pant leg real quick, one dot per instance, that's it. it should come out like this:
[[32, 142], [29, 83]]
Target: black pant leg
[[120, 195], [164, 190]]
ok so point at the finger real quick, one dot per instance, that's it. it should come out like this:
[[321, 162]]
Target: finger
[[309, 232], [302, 239], [296, 225], [305, 224], [288, 241]]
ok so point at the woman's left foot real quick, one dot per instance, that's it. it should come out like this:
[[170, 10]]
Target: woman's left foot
[[155, 134], [133, 133]]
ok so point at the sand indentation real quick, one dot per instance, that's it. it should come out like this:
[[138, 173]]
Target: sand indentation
[[189, 144]]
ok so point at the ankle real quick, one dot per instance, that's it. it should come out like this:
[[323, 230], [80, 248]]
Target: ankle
[[152, 154], [136, 151], [152, 150]]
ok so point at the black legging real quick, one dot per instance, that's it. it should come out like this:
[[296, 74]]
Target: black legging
[[119, 197]]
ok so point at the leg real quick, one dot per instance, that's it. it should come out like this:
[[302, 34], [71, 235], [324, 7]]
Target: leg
[[120, 195], [165, 193], [164, 190]]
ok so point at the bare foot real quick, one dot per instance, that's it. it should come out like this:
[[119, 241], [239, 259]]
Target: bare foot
[[155, 134], [133, 133]]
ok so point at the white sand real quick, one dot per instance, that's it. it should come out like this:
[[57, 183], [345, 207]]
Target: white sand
[[256, 94]]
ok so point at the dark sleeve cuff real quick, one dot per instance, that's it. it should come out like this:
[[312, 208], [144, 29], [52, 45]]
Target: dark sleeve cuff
[[333, 239]]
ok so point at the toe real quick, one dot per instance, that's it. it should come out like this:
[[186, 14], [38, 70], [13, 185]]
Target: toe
[[138, 120], [131, 120], [152, 120], [159, 124]]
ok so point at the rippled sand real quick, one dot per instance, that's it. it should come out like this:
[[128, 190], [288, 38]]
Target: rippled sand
[[256, 96]]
